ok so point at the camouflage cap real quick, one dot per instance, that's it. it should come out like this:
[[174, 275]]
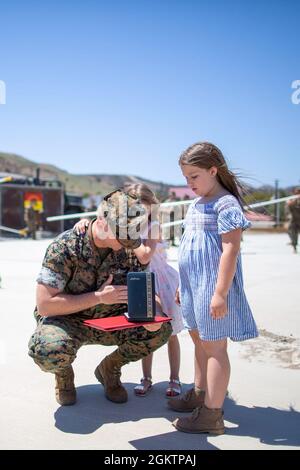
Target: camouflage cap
[[125, 216]]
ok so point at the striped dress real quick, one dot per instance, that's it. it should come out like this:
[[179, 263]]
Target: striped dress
[[199, 257]]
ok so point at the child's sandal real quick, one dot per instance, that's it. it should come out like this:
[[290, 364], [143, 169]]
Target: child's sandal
[[144, 388], [174, 388]]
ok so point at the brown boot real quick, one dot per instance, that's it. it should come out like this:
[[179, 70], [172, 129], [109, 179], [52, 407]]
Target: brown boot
[[187, 402], [65, 392], [204, 420], [108, 373]]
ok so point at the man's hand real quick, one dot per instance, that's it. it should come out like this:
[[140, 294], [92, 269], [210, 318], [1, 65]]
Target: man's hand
[[153, 327], [109, 294]]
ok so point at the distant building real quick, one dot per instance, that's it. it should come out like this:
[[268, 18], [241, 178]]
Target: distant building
[[182, 192], [18, 192]]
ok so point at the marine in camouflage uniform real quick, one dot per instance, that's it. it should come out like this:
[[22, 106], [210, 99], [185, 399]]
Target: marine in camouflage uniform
[[74, 265], [293, 208], [32, 220]]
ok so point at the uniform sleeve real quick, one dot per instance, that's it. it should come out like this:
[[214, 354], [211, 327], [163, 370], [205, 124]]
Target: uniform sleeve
[[57, 266], [230, 216]]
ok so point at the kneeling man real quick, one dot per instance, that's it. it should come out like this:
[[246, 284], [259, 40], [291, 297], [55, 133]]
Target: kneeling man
[[84, 277]]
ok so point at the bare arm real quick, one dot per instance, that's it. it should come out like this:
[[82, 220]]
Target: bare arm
[[146, 250], [52, 302], [231, 246]]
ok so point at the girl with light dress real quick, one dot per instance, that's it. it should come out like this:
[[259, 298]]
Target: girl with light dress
[[211, 293], [153, 250]]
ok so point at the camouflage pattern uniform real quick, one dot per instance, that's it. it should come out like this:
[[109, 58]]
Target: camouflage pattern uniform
[[31, 218], [74, 265], [294, 223]]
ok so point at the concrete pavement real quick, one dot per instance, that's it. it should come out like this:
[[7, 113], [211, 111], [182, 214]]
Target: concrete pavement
[[262, 411]]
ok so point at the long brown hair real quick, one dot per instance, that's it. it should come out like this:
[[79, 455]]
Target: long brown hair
[[146, 196], [205, 155], [142, 192]]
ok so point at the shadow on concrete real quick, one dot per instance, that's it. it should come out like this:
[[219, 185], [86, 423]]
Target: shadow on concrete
[[174, 441], [93, 410], [269, 425]]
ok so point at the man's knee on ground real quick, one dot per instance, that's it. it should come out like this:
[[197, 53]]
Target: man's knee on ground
[[52, 355]]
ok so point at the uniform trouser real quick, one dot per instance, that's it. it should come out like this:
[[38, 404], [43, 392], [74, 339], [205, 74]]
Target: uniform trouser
[[293, 230], [31, 231], [56, 340]]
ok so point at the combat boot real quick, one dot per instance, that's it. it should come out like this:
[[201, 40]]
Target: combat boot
[[187, 402], [108, 373], [65, 392], [202, 420]]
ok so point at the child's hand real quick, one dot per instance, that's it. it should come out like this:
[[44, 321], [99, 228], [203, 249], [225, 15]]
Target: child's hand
[[218, 306], [177, 296], [81, 226]]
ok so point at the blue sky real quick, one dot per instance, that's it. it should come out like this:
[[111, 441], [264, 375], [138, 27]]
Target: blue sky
[[125, 86]]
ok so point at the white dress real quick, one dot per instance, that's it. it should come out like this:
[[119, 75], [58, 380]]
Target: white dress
[[166, 283]]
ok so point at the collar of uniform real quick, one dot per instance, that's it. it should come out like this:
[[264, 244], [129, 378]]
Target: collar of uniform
[[95, 249]]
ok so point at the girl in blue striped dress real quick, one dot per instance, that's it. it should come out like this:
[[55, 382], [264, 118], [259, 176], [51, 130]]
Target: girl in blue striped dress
[[211, 293]]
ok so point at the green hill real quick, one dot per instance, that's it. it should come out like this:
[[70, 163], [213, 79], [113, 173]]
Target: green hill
[[80, 184]]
